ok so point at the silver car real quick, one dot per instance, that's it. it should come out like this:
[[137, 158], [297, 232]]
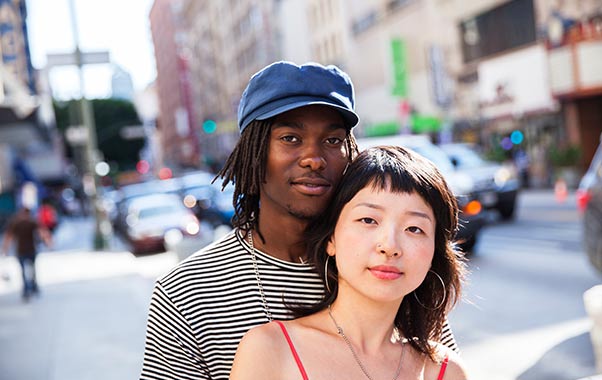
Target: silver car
[[495, 185]]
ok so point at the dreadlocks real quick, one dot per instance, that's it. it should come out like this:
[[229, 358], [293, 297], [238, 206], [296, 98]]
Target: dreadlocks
[[245, 168]]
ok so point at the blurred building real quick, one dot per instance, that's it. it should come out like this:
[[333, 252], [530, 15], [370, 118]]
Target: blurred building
[[176, 119], [122, 86], [574, 50], [30, 148], [515, 76], [225, 42]]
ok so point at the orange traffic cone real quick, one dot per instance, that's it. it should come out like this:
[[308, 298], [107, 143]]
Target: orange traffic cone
[[560, 190]]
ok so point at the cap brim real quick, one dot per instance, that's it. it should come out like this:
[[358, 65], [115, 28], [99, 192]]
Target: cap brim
[[351, 119]]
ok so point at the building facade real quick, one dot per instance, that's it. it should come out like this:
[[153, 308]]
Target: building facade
[[176, 119], [479, 71]]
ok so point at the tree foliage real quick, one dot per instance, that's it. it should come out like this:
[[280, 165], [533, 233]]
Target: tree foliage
[[110, 117]]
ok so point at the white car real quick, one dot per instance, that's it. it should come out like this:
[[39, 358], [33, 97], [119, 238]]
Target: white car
[[158, 222]]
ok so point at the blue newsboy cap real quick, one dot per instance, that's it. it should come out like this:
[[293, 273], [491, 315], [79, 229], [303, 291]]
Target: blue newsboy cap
[[283, 86]]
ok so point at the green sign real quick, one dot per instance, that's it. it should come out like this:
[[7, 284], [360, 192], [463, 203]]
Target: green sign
[[382, 129], [400, 73], [425, 124]]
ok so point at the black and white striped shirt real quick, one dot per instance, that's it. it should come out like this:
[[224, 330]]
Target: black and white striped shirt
[[202, 308]]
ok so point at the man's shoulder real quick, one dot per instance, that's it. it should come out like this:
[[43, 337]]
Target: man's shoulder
[[225, 251]]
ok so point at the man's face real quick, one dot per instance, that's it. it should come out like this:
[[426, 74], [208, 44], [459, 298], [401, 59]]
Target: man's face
[[306, 159]]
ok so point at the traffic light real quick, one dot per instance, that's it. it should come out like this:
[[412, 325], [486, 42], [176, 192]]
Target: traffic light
[[209, 126]]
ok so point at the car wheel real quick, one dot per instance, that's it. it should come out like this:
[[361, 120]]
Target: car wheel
[[507, 210]]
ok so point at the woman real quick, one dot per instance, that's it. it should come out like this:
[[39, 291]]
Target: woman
[[384, 247]]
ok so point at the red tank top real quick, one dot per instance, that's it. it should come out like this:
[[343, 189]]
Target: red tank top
[[302, 369]]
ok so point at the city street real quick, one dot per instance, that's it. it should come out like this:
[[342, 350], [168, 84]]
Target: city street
[[522, 317]]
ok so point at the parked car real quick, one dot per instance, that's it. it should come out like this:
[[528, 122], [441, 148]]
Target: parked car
[[589, 202], [495, 185], [472, 217], [155, 221], [117, 202], [207, 200]]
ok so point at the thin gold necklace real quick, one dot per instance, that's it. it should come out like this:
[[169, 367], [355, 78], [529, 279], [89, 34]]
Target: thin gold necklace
[[356, 357]]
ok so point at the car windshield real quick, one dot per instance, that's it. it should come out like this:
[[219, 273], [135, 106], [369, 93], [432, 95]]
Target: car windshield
[[157, 211], [436, 155], [465, 157]]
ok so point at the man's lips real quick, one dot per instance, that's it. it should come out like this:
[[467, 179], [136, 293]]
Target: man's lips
[[311, 186], [386, 272]]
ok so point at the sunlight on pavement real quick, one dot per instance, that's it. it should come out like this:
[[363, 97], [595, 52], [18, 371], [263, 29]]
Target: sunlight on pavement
[[70, 266], [523, 350]]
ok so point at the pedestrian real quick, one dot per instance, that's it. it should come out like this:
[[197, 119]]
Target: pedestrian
[[47, 215], [25, 230], [295, 143], [384, 248]]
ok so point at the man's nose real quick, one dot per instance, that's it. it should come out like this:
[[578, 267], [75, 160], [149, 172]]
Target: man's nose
[[313, 158]]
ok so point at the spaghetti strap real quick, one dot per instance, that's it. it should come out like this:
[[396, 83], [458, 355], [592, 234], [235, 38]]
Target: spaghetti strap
[[443, 368], [293, 351]]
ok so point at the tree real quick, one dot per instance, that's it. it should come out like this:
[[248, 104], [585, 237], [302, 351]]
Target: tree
[[110, 117]]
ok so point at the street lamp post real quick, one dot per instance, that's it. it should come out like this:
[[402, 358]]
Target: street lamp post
[[101, 228]]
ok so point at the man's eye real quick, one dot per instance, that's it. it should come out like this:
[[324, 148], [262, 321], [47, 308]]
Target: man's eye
[[289, 138], [334, 140]]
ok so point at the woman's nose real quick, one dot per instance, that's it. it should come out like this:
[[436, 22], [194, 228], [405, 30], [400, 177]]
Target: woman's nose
[[388, 247]]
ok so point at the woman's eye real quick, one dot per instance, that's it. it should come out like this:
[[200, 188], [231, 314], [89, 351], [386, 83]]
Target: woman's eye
[[415, 230], [367, 220]]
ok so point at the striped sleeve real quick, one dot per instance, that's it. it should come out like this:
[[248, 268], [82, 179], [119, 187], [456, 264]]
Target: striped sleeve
[[447, 337], [171, 349]]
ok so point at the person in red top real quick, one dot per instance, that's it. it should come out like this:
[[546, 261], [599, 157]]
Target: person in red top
[[24, 230], [47, 215]]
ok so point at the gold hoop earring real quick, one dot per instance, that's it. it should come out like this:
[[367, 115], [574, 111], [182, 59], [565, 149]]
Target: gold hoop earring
[[326, 274], [439, 304]]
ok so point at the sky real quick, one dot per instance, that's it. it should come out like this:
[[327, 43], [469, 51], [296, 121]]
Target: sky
[[119, 26]]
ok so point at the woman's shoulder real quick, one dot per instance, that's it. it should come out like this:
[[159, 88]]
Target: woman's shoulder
[[259, 353], [447, 360], [267, 334]]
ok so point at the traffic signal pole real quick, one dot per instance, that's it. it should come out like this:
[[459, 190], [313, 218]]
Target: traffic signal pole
[[91, 183]]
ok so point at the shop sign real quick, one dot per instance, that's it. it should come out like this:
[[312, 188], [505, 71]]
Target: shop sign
[[514, 84]]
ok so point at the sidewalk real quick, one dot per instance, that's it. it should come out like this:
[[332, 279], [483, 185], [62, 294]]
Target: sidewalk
[[89, 321]]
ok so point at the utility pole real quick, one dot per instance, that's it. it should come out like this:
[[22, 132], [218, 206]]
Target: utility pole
[[102, 227]]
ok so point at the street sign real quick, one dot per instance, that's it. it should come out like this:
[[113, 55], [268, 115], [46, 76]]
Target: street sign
[[68, 59], [77, 135], [439, 77], [400, 73]]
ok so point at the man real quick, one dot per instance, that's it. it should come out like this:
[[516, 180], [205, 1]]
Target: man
[[295, 143], [23, 229]]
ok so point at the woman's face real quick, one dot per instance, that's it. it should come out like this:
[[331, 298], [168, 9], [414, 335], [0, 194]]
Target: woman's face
[[384, 244]]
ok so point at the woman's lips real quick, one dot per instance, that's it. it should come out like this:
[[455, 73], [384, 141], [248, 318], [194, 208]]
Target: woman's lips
[[386, 272]]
